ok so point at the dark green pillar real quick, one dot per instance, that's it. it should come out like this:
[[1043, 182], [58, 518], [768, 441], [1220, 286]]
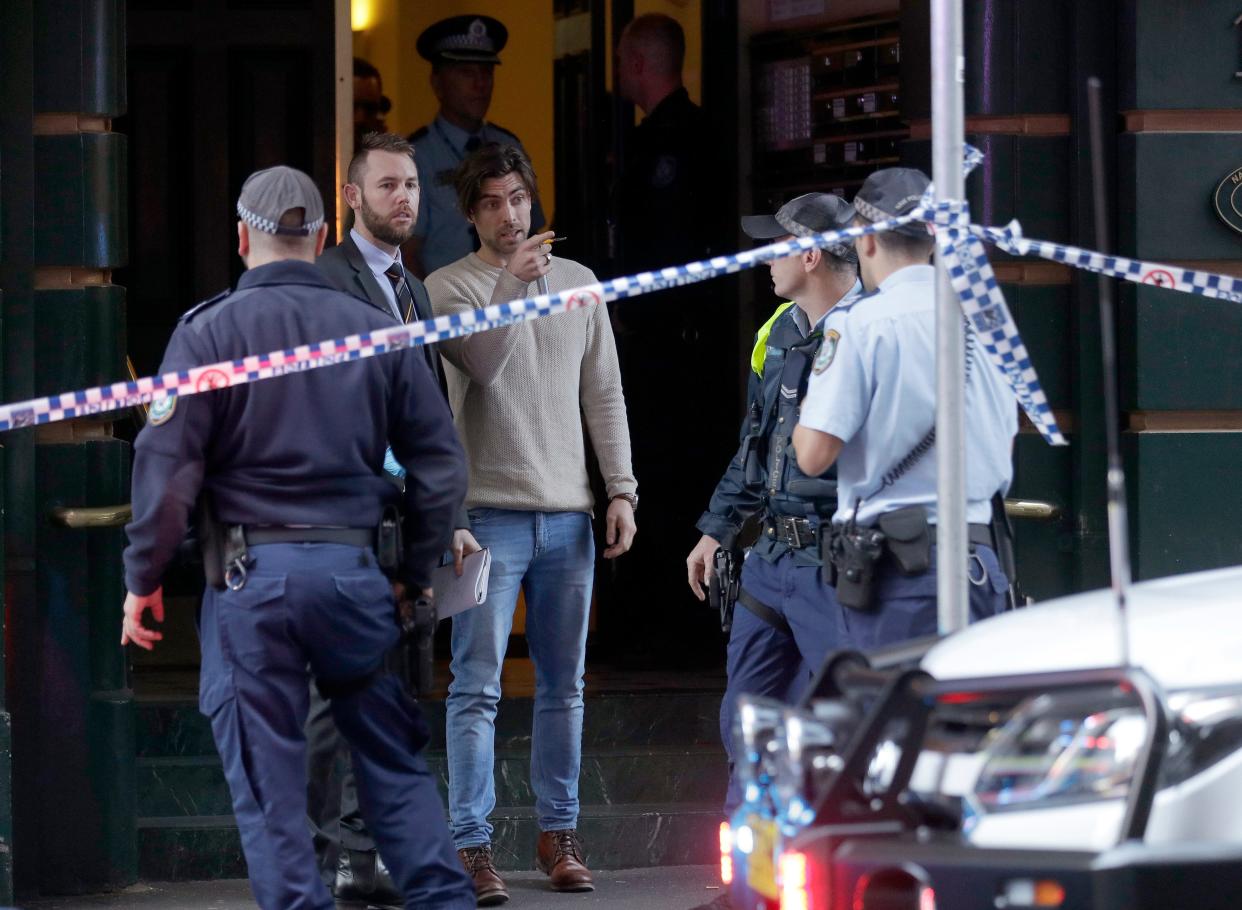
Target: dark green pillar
[[73, 772], [1181, 135]]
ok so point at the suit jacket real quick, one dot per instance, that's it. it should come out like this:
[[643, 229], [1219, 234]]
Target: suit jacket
[[345, 267]]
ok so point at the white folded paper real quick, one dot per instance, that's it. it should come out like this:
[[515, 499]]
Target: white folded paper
[[456, 595]]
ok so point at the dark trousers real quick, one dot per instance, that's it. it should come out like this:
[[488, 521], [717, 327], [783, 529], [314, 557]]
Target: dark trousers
[[325, 606], [763, 660], [332, 809]]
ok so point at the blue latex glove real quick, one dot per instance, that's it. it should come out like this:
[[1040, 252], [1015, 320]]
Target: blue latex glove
[[391, 465]]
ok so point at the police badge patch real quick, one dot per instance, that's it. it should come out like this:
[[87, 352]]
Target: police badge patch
[[162, 410], [665, 172], [827, 351]]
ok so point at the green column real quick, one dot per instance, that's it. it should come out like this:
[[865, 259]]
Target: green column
[[77, 832]]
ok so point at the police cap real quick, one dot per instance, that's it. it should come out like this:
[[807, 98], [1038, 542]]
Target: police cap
[[805, 216], [463, 39], [891, 193], [267, 195]]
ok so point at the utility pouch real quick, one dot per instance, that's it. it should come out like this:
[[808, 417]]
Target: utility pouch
[[817, 489], [723, 586], [907, 538], [854, 553], [210, 535], [388, 547], [417, 620]]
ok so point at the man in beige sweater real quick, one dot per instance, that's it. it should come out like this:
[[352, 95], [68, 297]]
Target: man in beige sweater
[[521, 395]]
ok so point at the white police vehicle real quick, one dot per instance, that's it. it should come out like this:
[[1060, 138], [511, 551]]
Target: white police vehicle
[[1022, 762]]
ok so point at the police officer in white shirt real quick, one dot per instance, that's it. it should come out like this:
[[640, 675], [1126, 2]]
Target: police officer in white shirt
[[870, 409]]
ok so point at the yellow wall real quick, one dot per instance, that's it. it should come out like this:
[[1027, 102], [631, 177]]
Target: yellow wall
[[522, 101]]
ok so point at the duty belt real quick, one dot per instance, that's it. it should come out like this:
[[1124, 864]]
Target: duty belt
[[354, 537], [979, 535], [796, 533]]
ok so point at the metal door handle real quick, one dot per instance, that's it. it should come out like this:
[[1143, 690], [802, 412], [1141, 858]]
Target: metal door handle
[[93, 517], [1032, 508]]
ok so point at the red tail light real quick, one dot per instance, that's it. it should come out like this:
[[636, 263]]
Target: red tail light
[[795, 882], [726, 854]]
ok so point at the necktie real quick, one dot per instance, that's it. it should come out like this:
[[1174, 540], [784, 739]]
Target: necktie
[[401, 290]]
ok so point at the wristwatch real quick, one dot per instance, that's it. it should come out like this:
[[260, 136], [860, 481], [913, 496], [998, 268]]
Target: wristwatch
[[631, 498]]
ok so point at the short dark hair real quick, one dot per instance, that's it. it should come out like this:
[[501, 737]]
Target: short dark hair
[[656, 30], [491, 162], [365, 70], [375, 142], [902, 245]]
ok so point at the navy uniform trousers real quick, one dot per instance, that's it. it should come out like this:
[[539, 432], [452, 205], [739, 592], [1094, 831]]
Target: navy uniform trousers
[[905, 605], [764, 660], [329, 608]]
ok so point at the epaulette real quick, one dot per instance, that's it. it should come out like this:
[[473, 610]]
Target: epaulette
[[500, 129], [419, 133], [199, 307]]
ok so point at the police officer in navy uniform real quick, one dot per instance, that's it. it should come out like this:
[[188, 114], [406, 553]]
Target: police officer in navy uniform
[[870, 410], [305, 597], [463, 51], [782, 628], [383, 193]]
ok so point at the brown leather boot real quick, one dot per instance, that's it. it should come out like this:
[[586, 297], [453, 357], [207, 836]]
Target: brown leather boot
[[489, 887], [560, 856]]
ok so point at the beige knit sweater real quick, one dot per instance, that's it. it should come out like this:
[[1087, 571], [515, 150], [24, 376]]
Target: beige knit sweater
[[521, 394]]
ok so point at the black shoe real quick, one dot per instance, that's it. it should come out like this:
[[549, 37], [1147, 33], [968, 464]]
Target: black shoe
[[363, 881]]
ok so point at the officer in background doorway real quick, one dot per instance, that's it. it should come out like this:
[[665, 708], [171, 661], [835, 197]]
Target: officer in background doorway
[[675, 346], [463, 51], [870, 410], [784, 628], [304, 596]]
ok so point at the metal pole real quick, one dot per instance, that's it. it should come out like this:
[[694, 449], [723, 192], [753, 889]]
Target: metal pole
[[948, 139]]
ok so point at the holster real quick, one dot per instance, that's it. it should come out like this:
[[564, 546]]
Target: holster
[[722, 587], [414, 653], [1002, 544], [907, 538], [210, 535], [389, 547]]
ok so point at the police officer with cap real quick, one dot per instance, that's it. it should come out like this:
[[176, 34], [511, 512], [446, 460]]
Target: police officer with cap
[[870, 410], [463, 51], [304, 594], [784, 629]]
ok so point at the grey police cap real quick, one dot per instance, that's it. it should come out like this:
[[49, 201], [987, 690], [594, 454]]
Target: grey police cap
[[267, 195], [805, 216], [893, 192]]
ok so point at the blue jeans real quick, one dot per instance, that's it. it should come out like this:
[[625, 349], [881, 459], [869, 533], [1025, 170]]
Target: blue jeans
[[551, 557], [763, 660], [326, 606]]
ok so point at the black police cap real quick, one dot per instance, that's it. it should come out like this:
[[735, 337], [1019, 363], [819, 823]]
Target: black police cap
[[463, 39]]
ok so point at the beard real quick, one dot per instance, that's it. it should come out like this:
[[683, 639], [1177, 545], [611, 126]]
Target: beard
[[383, 230]]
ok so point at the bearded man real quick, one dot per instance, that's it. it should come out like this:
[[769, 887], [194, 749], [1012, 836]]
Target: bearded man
[[383, 191]]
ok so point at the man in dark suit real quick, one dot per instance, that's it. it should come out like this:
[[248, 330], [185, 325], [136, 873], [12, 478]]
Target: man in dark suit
[[383, 191]]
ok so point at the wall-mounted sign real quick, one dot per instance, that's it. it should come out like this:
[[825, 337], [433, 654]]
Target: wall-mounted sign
[[1228, 200]]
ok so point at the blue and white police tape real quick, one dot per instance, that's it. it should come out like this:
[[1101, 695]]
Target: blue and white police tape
[[958, 239], [258, 367]]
